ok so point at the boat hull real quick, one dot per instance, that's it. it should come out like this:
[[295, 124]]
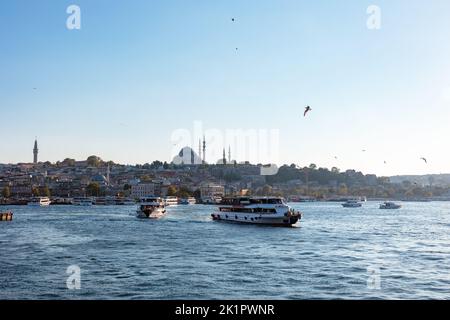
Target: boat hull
[[259, 219], [390, 208], [38, 204], [150, 214], [352, 205]]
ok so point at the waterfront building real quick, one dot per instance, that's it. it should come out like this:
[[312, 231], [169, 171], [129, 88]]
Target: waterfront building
[[142, 190], [212, 191]]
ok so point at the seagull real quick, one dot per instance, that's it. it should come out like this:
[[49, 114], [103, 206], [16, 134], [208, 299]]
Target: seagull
[[232, 19], [364, 150], [424, 159], [385, 162], [34, 88], [307, 109], [335, 157]]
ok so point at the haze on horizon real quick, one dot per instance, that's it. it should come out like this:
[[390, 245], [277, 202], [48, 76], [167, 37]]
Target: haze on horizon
[[136, 72]]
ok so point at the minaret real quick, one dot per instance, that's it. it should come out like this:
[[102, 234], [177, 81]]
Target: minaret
[[35, 152], [224, 159], [204, 150], [108, 173], [200, 149], [229, 154]]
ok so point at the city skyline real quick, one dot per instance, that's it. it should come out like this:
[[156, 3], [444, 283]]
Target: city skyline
[[119, 90]]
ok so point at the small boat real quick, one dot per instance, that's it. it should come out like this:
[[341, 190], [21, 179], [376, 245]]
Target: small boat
[[352, 204], [390, 205], [171, 201], [257, 210], [39, 202], [6, 216], [151, 208], [82, 201], [186, 201]]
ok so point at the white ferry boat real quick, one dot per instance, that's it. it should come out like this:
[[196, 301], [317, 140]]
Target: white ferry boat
[[190, 200], [151, 208], [82, 201], [352, 204], [390, 205], [39, 202], [171, 201], [257, 210]]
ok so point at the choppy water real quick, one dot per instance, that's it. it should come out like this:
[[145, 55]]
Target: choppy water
[[187, 256]]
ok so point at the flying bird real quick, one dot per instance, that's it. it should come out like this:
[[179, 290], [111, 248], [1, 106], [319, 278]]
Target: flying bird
[[363, 150], [385, 162], [232, 19], [307, 109], [424, 159]]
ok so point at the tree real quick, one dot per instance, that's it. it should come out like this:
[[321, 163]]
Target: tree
[[171, 191], [184, 192], [93, 189], [45, 191], [69, 162], [35, 192], [156, 164], [312, 166], [146, 178], [197, 194], [343, 190], [6, 192], [267, 190], [94, 161]]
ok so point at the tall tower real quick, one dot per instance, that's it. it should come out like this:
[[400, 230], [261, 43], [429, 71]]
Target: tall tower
[[35, 152], [229, 154], [204, 150], [200, 149], [224, 159]]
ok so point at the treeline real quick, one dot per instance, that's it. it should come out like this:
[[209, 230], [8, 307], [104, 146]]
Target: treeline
[[323, 176]]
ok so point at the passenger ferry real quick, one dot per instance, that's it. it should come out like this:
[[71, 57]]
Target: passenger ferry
[[171, 201], [151, 208], [39, 202], [82, 201], [257, 210], [190, 200]]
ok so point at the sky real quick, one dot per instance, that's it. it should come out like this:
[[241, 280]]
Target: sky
[[140, 78]]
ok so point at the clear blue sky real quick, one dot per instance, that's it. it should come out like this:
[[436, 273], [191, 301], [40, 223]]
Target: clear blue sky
[[139, 70]]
